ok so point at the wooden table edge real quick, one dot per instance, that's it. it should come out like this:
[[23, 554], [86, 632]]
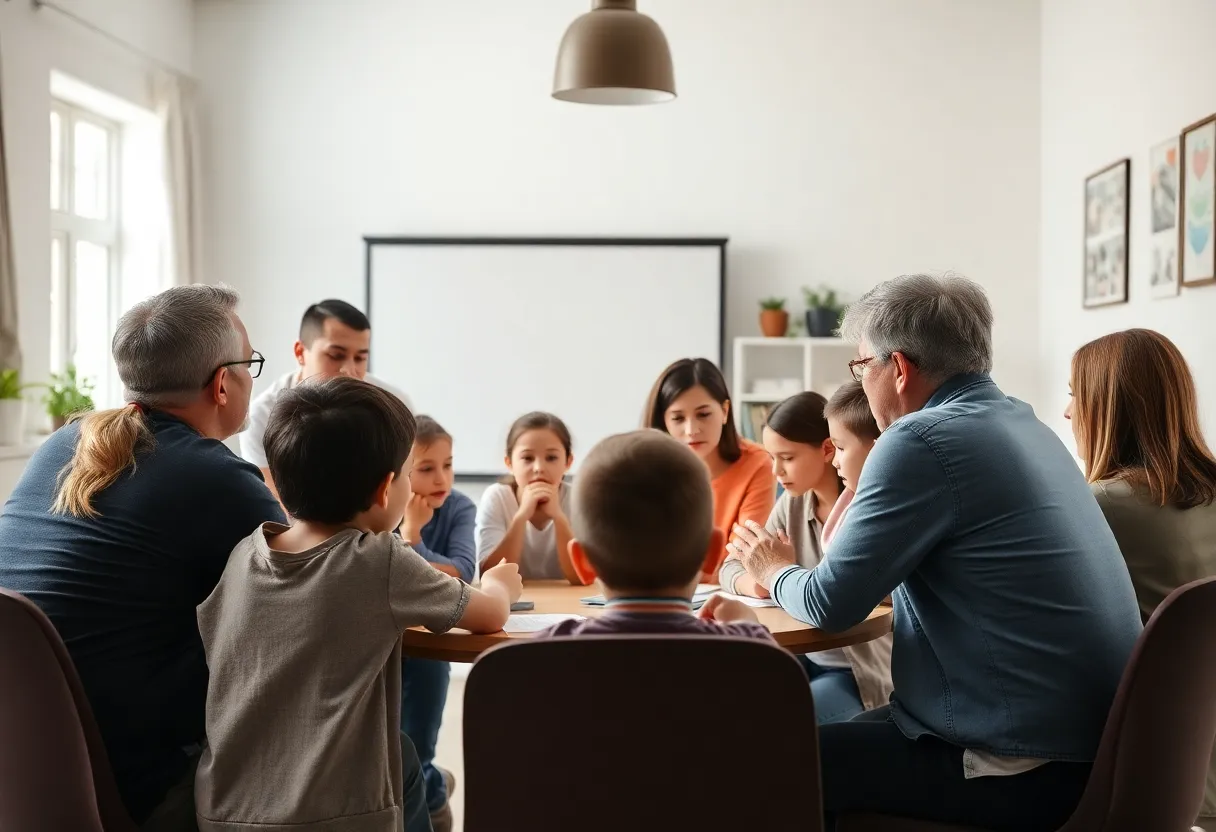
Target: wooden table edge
[[465, 647]]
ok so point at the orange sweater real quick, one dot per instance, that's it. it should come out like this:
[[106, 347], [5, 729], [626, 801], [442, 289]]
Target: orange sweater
[[746, 490]]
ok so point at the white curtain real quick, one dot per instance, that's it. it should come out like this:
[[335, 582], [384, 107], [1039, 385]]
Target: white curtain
[[176, 107], [10, 344]]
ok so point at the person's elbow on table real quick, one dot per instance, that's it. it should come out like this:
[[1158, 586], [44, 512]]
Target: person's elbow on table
[[802, 594], [490, 607]]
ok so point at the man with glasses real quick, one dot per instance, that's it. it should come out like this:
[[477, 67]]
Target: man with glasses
[[122, 524], [1014, 612]]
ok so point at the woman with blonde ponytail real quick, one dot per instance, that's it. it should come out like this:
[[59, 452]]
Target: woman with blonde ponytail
[[122, 524], [108, 443]]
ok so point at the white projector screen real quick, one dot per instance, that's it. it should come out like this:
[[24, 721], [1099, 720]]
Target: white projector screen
[[478, 332]]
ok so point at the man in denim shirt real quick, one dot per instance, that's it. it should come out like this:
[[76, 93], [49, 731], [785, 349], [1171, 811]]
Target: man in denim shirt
[[1014, 612]]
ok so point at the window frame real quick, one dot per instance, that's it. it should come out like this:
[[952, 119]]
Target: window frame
[[69, 228]]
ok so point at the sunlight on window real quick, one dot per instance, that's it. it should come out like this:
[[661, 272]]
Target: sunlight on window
[[56, 159], [91, 171], [91, 294], [109, 227]]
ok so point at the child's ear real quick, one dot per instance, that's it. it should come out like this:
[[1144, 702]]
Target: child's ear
[[581, 563], [506, 460], [298, 349], [569, 461], [829, 450], [714, 553], [381, 496]]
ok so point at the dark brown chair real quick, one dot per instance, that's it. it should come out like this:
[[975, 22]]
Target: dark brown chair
[[54, 773], [1153, 760], [626, 733]]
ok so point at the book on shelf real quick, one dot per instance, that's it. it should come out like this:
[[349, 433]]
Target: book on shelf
[[755, 416]]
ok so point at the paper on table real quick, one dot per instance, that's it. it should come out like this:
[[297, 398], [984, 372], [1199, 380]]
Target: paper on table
[[750, 601], [536, 623]]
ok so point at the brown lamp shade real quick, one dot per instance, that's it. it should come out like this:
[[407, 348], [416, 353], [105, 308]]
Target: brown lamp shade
[[614, 55]]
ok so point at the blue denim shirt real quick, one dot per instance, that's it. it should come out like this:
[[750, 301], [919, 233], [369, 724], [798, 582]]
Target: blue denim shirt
[[1014, 612]]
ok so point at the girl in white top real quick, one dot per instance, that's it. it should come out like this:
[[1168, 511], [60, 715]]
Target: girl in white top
[[524, 518]]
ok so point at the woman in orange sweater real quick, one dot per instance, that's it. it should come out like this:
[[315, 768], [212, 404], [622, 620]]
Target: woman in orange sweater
[[691, 402]]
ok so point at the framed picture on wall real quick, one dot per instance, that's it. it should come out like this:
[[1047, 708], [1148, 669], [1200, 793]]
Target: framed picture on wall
[[1198, 201], [1106, 226], [1163, 219]]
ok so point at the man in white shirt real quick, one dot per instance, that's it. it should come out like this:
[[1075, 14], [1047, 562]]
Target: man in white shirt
[[335, 339]]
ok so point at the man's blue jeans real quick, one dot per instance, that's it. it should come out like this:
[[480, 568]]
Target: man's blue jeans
[[834, 690]]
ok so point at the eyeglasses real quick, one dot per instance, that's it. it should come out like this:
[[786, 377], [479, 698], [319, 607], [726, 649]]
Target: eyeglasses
[[858, 366], [255, 366]]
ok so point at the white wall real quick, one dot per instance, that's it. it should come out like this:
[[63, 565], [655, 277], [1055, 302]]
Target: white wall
[[832, 142], [32, 44], [1117, 77]]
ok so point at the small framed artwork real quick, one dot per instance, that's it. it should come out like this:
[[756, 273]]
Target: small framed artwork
[[1197, 225], [1163, 239], [1106, 227]]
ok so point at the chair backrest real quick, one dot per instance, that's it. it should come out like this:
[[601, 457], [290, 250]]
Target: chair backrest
[[640, 733], [54, 773], [1153, 760]]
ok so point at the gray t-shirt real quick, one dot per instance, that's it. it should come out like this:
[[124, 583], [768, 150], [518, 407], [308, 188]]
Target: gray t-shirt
[[304, 699]]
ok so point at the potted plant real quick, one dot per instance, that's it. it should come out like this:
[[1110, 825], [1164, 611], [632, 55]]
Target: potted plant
[[67, 395], [12, 408], [823, 311], [773, 317]]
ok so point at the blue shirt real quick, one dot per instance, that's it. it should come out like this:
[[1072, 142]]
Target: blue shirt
[[1014, 612], [448, 536], [122, 589]]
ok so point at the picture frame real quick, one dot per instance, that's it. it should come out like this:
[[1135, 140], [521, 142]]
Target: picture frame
[[1163, 159], [1106, 227], [1197, 204]]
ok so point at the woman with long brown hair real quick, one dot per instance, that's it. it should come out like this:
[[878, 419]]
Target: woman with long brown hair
[[1135, 416], [691, 402]]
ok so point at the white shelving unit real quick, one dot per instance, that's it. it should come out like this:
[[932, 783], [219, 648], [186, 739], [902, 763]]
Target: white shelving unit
[[820, 364]]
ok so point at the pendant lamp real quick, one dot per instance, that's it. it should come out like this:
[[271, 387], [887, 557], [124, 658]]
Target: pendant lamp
[[613, 54]]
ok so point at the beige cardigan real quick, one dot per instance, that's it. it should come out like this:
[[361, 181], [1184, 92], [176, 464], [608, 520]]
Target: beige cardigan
[[871, 660], [1164, 547]]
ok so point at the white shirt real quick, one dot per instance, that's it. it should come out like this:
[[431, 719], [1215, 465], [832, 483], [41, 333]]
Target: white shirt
[[252, 447], [538, 558]]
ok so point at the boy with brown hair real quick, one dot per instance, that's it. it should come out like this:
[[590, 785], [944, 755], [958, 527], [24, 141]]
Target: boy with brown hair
[[643, 521], [303, 631]]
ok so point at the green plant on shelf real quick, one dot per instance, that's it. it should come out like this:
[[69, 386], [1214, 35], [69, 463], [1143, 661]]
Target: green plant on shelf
[[775, 304], [68, 394], [10, 384], [823, 298]]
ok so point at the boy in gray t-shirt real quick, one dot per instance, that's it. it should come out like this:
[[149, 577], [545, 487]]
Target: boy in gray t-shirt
[[303, 631]]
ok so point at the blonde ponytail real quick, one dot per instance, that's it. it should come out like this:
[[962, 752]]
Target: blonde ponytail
[[109, 440]]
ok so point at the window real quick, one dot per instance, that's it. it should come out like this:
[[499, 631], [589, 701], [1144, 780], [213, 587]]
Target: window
[[85, 286]]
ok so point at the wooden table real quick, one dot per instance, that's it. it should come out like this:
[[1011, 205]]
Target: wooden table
[[560, 597]]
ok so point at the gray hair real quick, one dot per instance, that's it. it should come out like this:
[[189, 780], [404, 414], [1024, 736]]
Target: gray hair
[[942, 323], [168, 346]]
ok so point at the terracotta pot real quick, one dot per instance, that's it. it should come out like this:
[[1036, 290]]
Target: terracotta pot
[[774, 322]]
